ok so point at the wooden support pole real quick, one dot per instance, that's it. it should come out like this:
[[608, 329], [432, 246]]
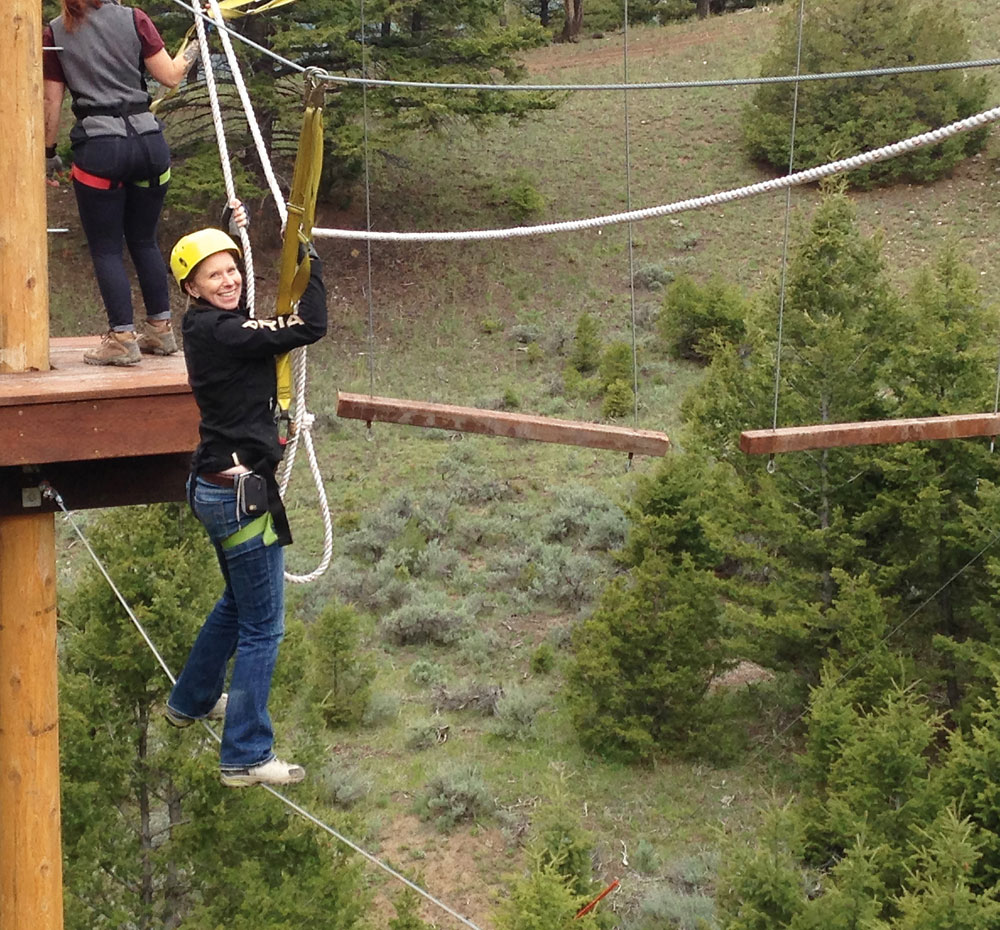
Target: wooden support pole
[[875, 432], [30, 847], [497, 423]]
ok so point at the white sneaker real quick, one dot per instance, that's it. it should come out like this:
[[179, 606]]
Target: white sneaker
[[273, 772], [218, 712]]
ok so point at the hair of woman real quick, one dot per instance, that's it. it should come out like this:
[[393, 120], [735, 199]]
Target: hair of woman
[[75, 11]]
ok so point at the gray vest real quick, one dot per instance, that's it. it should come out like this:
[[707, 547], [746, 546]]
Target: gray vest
[[102, 62]]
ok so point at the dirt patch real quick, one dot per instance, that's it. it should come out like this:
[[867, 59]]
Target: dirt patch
[[745, 673], [607, 50], [463, 869]]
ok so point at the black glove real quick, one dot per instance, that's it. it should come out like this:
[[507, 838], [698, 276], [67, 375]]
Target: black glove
[[307, 248], [53, 163]]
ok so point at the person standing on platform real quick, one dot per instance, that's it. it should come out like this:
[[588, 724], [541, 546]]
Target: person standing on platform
[[101, 51], [230, 361]]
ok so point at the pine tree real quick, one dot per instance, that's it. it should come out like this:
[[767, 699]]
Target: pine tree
[[841, 118], [151, 839]]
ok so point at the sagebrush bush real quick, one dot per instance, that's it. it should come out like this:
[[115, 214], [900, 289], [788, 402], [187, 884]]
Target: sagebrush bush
[[343, 786], [431, 617], [425, 672], [422, 734], [581, 513], [842, 118], [382, 708], [455, 795], [515, 714]]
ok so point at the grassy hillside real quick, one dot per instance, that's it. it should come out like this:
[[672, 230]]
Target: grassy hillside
[[484, 522]]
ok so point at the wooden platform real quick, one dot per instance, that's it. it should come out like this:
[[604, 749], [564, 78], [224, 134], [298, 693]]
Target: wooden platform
[[497, 423], [101, 435], [876, 432]]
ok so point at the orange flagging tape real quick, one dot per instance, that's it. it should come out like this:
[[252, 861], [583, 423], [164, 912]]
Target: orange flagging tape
[[589, 907]]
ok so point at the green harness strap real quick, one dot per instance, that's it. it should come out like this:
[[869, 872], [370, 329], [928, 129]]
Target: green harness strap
[[294, 273], [262, 526]]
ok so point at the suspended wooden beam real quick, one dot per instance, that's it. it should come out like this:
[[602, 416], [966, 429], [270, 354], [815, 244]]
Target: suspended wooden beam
[[498, 423], [875, 432]]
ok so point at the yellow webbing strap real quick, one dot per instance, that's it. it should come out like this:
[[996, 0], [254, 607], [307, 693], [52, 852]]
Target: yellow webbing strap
[[261, 526], [294, 274]]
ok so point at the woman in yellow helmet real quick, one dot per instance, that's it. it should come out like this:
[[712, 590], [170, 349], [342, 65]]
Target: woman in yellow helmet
[[231, 367]]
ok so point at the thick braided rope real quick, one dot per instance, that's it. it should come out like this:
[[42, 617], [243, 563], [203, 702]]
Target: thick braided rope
[[251, 116], [220, 135], [808, 176], [651, 85], [302, 419], [302, 423]]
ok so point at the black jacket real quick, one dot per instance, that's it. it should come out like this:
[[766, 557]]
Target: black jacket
[[231, 368]]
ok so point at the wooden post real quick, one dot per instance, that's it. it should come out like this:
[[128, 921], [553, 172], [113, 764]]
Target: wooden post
[[30, 847]]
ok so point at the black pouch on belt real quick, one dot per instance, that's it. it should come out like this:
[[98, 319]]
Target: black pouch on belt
[[251, 494]]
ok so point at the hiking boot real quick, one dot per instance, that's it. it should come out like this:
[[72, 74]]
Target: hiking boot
[[158, 338], [273, 772], [218, 712], [115, 349]]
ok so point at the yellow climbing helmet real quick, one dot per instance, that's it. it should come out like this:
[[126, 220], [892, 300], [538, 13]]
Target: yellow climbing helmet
[[194, 247]]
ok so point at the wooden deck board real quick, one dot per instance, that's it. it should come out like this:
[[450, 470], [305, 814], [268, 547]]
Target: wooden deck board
[[498, 423], [77, 412]]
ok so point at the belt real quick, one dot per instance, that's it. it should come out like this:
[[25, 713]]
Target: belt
[[219, 479]]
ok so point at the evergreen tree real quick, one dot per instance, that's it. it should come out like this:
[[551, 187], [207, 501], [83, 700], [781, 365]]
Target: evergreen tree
[[642, 663], [341, 675], [470, 41], [150, 837], [841, 118]]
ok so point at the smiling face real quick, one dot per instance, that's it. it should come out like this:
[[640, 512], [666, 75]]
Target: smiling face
[[217, 280]]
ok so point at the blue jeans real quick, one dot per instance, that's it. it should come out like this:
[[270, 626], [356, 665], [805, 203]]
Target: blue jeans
[[247, 622]]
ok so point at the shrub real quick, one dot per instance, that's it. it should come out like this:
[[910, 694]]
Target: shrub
[[851, 117], [429, 618], [340, 674], [669, 907], [697, 319], [515, 714], [425, 672], [582, 513], [643, 662], [423, 734], [344, 787], [616, 365], [653, 277], [586, 354], [382, 708], [542, 901], [619, 400], [455, 795], [543, 659]]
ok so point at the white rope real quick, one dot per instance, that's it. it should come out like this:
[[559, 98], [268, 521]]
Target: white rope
[[808, 176], [251, 117], [302, 420], [220, 135]]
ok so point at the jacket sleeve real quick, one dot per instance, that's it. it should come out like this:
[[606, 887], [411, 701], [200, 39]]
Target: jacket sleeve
[[259, 338]]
